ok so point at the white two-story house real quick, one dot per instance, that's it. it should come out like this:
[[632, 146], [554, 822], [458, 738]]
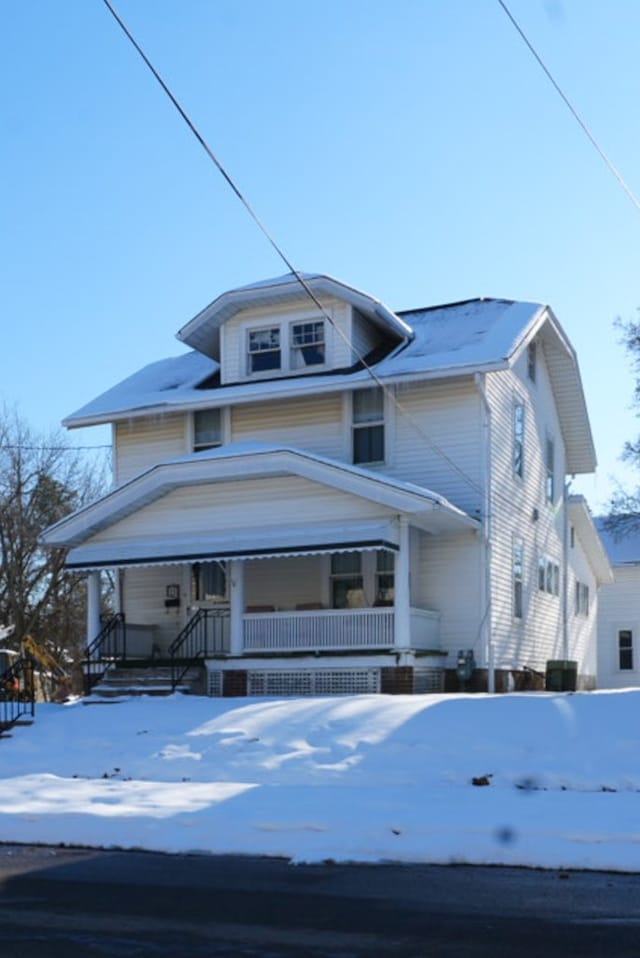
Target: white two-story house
[[325, 495]]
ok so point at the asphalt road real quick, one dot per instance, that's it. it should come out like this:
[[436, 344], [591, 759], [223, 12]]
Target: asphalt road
[[71, 902]]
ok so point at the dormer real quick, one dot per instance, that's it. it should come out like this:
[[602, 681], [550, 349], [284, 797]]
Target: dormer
[[275, 330]]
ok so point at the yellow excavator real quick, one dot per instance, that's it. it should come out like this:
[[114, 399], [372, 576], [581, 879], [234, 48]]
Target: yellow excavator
[[53, 680]]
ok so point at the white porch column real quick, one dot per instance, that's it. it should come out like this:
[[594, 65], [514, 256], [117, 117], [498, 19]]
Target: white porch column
[[402, 602], [93, 606], [236, 603]]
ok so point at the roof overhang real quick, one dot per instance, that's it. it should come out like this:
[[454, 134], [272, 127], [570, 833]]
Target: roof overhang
[[566, 383], [242, 462], [587, 532], [203, 331]]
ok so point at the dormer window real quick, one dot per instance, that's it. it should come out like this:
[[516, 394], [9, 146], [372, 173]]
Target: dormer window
[[307, 344], [264, 349]]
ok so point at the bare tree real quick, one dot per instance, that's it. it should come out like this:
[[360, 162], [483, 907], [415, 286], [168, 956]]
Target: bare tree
[[42, 479], [624, 506]]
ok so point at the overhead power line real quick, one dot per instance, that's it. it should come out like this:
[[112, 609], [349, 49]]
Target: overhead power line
[[567, 102], [281, 254]]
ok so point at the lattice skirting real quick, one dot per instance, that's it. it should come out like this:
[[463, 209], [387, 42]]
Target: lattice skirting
[[347, 681]]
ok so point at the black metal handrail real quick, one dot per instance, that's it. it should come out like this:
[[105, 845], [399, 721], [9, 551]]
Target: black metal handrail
[[108, 647], [206, 633], [17, 693]]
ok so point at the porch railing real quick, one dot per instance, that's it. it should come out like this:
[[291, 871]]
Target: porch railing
[[108, 648], [319, 630], [17, 693], [204, 635]]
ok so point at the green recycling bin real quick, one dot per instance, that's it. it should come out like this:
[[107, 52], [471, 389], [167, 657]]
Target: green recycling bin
[[561, 675]]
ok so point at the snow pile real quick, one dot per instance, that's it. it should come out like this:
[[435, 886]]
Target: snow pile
[[542, 780]]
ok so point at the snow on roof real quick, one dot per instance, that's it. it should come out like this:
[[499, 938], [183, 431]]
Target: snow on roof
[[202, 332], [622, 548], [166, 382], [468, 336], [474, 334]]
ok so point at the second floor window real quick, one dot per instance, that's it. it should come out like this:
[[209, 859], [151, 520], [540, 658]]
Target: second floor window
[[518, 439], [368, 425], [264, 349], [207, 429]]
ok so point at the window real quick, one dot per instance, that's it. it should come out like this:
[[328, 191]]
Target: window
[[518, 564], [548, 576], [572, 537], [531, 361], [210, 581], [368, 425], [207, 429], [307, 344], [264, 349], [384, 579], [347, 584], [625, 649], [549, 460], [518, 439], [581, 599]]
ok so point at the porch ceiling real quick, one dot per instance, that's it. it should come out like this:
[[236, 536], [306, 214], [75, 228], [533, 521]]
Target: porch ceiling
[[246, 544]]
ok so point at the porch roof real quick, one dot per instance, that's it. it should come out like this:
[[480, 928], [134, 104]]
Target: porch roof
[[250, 461], [267, 543]]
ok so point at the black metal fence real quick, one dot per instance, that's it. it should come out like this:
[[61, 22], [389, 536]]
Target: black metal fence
[[17, 693]]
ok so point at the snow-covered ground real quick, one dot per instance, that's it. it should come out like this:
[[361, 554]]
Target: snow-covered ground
[[358, 778]]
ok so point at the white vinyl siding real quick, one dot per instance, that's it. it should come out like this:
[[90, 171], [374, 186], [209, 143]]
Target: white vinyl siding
[[618, 610], [144, 594], [449, 581], [438, 443], [142, 443], [364, 337], [518, 509], [234, 338]]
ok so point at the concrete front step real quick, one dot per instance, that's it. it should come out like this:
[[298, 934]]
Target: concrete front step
[[151, 680]]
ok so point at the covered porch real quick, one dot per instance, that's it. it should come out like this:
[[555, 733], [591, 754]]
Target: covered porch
[[258, 551]]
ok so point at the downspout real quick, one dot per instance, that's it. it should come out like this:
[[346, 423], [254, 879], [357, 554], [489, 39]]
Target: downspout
[[565, 570], [486, 620]]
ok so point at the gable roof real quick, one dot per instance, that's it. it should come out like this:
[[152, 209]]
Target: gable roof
[[590, 539], [622, 549], [254, 460], [474, 336], [202, 332]]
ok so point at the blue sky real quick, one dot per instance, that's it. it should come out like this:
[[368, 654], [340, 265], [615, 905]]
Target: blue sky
[[411, 147]]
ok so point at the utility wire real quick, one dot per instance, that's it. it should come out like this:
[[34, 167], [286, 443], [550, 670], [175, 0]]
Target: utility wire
[[279, 251], [567, 102]]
